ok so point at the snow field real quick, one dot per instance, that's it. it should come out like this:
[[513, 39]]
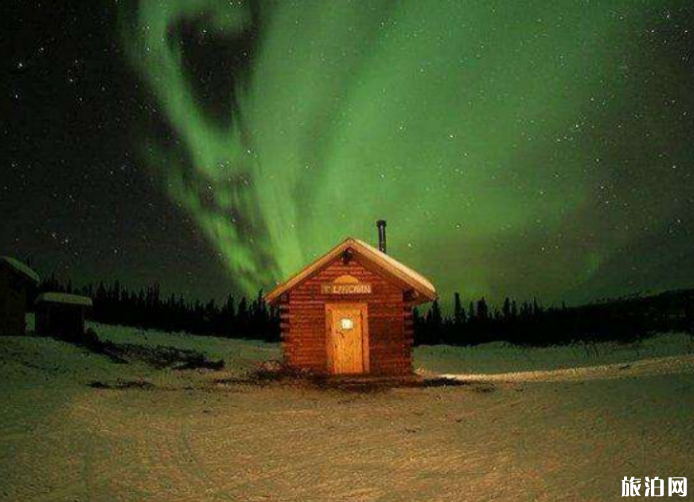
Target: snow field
[[191, 438]]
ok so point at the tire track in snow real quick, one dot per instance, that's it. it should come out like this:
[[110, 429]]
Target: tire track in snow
[[192, 464], [648, 367]]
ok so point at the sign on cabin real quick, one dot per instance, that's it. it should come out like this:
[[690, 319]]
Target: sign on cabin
[[345, 285], [346, 289]]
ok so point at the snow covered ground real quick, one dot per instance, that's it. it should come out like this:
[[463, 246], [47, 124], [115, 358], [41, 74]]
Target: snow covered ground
[[519, 431]]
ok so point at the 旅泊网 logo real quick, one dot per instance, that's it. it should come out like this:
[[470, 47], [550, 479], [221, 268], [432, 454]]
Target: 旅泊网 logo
[[654, 487]]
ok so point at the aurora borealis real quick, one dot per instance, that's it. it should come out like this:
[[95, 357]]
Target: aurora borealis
[[515, 148]]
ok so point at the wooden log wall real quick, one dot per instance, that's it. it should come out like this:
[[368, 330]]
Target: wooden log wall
[[13, 303]]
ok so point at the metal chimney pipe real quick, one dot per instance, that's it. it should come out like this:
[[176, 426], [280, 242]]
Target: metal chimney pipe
[[381, 224]]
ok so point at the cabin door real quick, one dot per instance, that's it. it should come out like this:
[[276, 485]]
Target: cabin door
[[347, 338]]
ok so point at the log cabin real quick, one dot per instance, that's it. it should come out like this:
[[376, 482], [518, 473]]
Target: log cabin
[[350, 312], [61, 315], [17, 281]]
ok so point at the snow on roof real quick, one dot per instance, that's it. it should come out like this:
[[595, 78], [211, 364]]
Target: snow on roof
[[20, 268], [402, 268], [417, 281], [64, 298]]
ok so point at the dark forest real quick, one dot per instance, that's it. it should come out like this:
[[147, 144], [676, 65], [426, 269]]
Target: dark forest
[[527, 323]]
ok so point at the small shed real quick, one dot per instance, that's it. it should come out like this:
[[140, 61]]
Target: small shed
[[61, 315], [17, 281], [350, 312]]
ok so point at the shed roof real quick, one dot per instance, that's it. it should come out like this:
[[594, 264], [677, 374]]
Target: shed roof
[[64, 298], [20, 268], [387, 263]]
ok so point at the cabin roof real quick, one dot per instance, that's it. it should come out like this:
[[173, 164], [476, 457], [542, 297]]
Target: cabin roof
[[387, 263], [20, 268], [65, 299]]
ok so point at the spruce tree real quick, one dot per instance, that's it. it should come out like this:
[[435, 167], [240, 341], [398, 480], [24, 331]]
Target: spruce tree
[[458, 311]]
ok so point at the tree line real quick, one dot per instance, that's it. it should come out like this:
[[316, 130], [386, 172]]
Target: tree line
[[526, 323], [147, 308], [529, 323]]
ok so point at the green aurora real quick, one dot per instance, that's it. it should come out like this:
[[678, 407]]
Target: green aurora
[[490, 135]]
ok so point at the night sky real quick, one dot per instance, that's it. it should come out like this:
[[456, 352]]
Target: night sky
[[532, 149]]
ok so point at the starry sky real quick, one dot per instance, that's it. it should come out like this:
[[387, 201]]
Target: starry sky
[[530, 149]]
